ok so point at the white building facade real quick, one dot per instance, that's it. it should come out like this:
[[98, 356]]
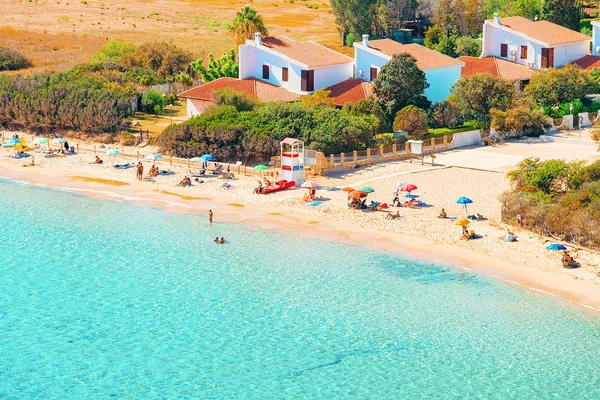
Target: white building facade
[[535, 44], [300, 67], [441, 71]]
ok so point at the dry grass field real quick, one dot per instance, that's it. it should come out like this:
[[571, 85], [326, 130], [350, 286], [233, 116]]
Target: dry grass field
[[58, 34]]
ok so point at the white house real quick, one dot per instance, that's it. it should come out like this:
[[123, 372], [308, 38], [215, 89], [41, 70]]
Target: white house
[[300, 67], [536, 44], [441, 71], [596, 38]]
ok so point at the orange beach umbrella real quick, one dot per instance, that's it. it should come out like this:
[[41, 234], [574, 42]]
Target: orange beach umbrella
[[348, 189], [357, 194]]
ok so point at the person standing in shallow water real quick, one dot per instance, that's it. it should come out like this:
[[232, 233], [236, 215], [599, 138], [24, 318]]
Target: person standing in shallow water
[[210, 216]]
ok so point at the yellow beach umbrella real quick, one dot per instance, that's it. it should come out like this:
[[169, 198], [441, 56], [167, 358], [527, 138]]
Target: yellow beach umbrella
[[462, 222]]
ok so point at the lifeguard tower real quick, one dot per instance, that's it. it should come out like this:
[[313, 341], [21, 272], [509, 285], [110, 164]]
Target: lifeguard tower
[[292, 160]]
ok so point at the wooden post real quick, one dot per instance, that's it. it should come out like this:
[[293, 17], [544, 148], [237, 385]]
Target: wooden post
[[433, 159], [368, 154], [170, 160], [332, 160], [445, 141], [245, 172], [342, 158], [355, 155], [381, 152], [394, 149], [78, 147], [188, 162], [123, 150], [94, 149]]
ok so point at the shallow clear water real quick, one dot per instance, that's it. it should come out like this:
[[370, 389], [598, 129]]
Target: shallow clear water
[[103, 299]]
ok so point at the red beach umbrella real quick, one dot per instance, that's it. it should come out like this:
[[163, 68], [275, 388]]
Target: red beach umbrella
[[408, 188]]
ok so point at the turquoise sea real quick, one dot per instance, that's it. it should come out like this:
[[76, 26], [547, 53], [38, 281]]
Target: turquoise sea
[[107, 299]]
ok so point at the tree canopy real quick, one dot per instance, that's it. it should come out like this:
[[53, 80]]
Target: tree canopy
[[166, 60], [246, 22], [400, 83], [475, 96], [412, 120], [557, 86], [566, 13], [224, 66]]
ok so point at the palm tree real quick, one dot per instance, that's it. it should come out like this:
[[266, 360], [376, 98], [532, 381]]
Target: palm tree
[[245, 23]]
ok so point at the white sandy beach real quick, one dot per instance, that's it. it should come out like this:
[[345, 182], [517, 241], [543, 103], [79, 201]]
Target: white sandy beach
[[419, 230]]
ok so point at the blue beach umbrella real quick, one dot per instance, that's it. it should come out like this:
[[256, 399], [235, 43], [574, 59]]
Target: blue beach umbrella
[[555, 246], [208, 157], [59, 140], [196, 159], [39, 141], [153, 157], [464, 201], [113, 152]]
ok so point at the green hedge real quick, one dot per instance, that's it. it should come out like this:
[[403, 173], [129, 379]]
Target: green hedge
[[440, 132]]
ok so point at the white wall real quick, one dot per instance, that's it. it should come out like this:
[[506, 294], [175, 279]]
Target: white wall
[[365, 60], [196, 107], [465, 139], [493, 37], [440, 81], [252, 59], [595, 38]]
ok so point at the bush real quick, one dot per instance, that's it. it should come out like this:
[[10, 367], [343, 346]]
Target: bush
[[127, 139], [232, 135], [242, 101], [170, 99], [11, 60], [521, 119], [153, 102], [163, 59], [412, 120], [114, 51], [443, 114], [562, 85]]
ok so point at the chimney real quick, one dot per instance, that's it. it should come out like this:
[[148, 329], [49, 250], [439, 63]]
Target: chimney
[[497, 18], [365, 40], [257, 38]]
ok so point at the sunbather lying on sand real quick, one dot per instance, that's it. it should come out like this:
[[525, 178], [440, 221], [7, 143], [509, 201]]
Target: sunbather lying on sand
[[185, 182], [31, 164], [393, 216]]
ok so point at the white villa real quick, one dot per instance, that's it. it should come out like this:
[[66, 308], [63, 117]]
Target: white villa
[[281, 69], [441, 71], [535, 44]]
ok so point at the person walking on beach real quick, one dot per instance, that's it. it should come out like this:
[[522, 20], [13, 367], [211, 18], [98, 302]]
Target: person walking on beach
[[210, 216], [140, 171]]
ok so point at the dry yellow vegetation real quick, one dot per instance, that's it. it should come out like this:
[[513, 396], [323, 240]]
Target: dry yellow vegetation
[[58, 34]]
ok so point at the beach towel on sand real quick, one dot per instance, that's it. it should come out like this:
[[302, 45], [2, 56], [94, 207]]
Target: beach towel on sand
[[315, 203]]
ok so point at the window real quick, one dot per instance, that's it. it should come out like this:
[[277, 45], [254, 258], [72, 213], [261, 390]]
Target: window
[[307, 81], [284, 74], [504, 50], [547, 58], [523, 52], [373, 74], [265, 72]]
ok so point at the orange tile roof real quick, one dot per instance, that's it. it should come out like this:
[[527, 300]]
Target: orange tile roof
[[496, 67], [426, 58], [350, 91], [309, 53], [588, 62], [265, 91], [543, 31]]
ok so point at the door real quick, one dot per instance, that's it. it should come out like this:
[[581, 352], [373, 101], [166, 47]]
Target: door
[[307, 81], [548, 58], [373, 74]]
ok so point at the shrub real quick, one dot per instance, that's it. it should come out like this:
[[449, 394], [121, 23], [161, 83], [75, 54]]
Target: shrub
[[153, 102], [127, 139], [443, 114], [11, 60], [242, 101], [592, 172], [412, 120], [170, 99], [557, 86], [320, 97], [163, 59], [521, 119], [114, 51]]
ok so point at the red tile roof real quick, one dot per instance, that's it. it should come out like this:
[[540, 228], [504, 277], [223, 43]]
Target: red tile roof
[[588, 62], [543, 31], [350, 91], [426, 58], [496, 67], [309, 53], [265, 91]]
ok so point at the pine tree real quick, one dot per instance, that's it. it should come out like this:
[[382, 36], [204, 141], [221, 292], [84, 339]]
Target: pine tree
[[563, 12]]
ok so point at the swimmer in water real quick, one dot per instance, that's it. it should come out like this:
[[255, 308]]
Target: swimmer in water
[[216, 240], [223, 240]]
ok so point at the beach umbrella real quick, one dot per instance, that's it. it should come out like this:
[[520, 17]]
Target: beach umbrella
[[153, 157], [40, 141], [309, 184], [462, 222], [261, 167], [196, 159], [59, 140], [400, 184], [464, 201], [555, 246], [409, 187], [208, 157], [357, 194], [367, 189], [348, 189], [113, 152], [384, 206]]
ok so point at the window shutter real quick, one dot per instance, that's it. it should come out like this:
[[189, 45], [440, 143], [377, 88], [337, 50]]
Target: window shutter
[[373, 74], [284, 74], [503, 50], [303, 80], [524, 52], [551, 58], [265, 72], [310, 84]]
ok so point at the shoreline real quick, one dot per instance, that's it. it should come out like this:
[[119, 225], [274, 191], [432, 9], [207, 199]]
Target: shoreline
[[579, 292]]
